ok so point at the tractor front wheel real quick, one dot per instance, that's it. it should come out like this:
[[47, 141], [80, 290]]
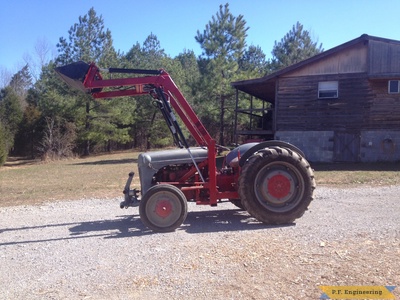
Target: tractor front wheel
[[276, 185], [163, 208]]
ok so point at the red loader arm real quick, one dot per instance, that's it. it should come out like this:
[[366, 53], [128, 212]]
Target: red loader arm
[[158, 84]]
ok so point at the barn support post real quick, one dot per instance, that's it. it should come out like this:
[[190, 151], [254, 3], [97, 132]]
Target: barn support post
[[236, 113]]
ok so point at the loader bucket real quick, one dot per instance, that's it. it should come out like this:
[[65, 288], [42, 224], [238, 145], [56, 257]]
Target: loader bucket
[[74, 74]]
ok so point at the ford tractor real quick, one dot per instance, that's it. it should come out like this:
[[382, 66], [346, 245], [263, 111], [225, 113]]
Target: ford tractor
[[271, 180]]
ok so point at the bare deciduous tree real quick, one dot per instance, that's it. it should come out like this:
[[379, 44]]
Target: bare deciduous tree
[[58, 140], [42, 54], [5, 77]]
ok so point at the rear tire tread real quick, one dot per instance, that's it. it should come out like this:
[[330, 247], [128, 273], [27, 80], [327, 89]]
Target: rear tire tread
[[255, 164]]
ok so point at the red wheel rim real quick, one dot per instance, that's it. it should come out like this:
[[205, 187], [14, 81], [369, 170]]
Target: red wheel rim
[[163, 208], [279, 186]]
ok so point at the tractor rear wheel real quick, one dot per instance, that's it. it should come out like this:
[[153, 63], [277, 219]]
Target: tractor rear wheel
[[237, 203], [276, 185], [163, 208]]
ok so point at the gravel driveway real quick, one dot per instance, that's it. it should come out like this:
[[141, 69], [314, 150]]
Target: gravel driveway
[[91, 249]]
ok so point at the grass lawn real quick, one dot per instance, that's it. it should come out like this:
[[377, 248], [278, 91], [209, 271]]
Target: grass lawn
[[27, 181]]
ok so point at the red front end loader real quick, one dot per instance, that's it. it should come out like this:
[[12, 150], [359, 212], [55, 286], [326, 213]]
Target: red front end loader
[[271, 180]]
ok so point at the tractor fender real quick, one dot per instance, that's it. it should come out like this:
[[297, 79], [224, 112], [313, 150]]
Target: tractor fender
[[258, 146], [232, 158]]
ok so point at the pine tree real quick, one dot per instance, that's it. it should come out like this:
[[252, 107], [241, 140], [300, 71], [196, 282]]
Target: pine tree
[[223, 42], [21, 82], [3, 145], [89, 41], [148, 127], [253, 62], [10, 118], [186, 73], [294, 47]]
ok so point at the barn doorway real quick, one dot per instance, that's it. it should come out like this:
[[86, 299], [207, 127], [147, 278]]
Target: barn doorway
[[346, 146]]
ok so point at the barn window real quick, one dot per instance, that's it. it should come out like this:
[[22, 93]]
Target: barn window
[[328, 89], [394, 86]]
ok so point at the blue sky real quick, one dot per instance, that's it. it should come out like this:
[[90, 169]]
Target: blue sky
[[175, 22]]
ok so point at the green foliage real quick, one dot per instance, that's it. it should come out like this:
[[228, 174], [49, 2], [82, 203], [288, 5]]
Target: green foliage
[[21, 82], [58, 121], [3, 145], [54, 98], [10, 115], [12, 105], [150, 55], [149, 129], [111, 121], [223, 42], [253, 62], [187, 73], [224, 36], [296, 46], [29, 133], [88, 41]]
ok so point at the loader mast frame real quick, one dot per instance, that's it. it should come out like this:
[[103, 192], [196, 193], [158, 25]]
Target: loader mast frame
[[162, 88]]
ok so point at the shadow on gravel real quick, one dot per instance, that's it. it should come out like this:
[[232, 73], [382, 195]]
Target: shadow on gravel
[[223, 220], [126, 226], [196, 222], [120, 227]]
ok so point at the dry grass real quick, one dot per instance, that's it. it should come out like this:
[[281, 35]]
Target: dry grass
[[353, 174], [29, 182]]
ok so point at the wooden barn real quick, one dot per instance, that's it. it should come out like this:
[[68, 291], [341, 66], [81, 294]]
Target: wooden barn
[[342, 105]]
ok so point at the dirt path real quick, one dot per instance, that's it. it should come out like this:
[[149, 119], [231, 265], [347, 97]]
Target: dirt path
[[90, 249]]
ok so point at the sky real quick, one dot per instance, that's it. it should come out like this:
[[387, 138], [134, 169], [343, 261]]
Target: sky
[[25, 24]]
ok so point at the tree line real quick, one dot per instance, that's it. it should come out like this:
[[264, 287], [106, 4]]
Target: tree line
[[45, 118]]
